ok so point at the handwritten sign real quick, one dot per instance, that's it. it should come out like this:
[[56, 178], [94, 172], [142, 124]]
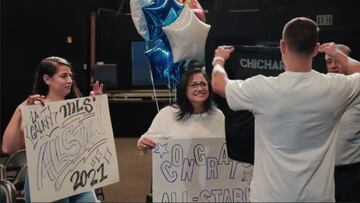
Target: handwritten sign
[[70, 147], [198, 170]]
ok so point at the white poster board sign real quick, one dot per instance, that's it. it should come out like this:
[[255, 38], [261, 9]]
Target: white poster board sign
[[70, 147], [198, 170]]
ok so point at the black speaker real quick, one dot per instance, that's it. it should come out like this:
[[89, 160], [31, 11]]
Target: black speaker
[[106, 74]]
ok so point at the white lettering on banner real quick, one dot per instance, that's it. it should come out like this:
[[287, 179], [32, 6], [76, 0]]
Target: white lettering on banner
[[70, 147], [198, 170], [261, 64]]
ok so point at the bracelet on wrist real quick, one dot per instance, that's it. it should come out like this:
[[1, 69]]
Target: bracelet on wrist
[[217, 58], [218, 69]]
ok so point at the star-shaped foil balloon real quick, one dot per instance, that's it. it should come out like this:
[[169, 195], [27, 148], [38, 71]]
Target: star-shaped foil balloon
[[195, 7], [160, 13], [138, 17], [160, 58], [187, 37], [163, 69]]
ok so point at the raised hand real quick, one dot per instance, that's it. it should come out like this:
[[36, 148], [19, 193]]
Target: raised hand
[[97, 89], [224, 51], [328, 48]]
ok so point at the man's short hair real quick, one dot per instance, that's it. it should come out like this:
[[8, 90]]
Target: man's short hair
[[301, 35], [343, 48]]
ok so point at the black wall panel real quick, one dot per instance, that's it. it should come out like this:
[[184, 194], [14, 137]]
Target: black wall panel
[[32, 30]]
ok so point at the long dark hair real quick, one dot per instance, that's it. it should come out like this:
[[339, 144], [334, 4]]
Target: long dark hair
[[48, 66], [185, 107]]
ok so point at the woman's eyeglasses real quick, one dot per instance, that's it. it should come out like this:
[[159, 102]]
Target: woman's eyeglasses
[[195, 85]]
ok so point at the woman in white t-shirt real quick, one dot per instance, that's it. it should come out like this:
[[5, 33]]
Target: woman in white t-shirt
[[193, 115]]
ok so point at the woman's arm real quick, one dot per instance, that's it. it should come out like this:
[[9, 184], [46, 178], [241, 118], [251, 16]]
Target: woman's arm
[[13, 137], [157, 130]]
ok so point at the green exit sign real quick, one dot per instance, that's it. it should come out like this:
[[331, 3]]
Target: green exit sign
[[324, 20]]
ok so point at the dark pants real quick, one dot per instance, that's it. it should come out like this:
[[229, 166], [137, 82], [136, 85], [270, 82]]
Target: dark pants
[[347, 183]]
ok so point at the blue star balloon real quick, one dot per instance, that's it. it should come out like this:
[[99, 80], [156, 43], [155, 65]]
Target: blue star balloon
[[159, 58], [160, 13], [175, 71], [161, 62]]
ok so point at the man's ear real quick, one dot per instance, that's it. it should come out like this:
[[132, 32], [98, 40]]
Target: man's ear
[[46, 79], [282, 46], [316, 50]]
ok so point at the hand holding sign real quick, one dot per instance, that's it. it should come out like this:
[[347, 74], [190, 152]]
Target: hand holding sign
[[72, 146], [145, 143]]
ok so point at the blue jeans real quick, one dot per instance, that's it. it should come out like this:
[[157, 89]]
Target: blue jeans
[[82, 197]]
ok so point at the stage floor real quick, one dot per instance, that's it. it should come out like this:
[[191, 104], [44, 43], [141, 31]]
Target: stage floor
[[135, 173]]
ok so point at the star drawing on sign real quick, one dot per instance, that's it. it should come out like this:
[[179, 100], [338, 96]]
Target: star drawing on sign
[[161, 149]]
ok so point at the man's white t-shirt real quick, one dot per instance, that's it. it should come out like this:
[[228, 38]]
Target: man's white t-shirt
[[166, 126], [348, 144], [295, 117]]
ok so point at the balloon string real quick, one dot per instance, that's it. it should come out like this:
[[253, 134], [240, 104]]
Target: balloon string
[[175, 92], [170, 94], [169, 88], [172, 91], [153, 85]]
